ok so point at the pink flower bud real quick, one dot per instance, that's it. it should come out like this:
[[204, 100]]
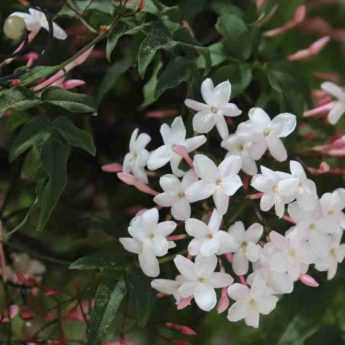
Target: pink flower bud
[[185, 330], [112, 168], [133, 181], [182, 151], [224, 301], [184, 303], [322, 109], [313, 50], [298, 18], [177, 237], [308, 280], [161, 114], [73, 83]]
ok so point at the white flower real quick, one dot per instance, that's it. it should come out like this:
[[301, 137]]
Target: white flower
[[269, 131], [168, 286], [329, 262], [26, 266], [149, 240], [246, 247], [310, 227], [174, 135], [339, 105], [286, 256], [247, 149], [306, 193], [220, 182], [208, 239], [251, 302], [36, 20], [136, 159], [274, 193], [174, 194], [217, 106], [200, 280], [332, 205]]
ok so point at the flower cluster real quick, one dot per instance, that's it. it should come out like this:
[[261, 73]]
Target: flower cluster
[[252, 264]]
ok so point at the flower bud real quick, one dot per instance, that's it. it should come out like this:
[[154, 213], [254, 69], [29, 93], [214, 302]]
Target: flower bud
[[14, 28]]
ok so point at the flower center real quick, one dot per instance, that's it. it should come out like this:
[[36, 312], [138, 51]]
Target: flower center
[[267, 132], [214, 110]]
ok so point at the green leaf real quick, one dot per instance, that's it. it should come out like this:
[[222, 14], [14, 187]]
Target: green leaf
[[38, 73], [150, 88], [17, 99], [107, 302], [141, 293], [111, 77], [33, 132], [55, 154], [75, 136], [157, 38], [99, 261], [71, 101], [177, 71], [120, 30]]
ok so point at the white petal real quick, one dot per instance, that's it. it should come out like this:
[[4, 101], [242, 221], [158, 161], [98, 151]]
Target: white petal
[[150, 218], [205, 297], [227, 243], [221, 280], [196, 228], [249, 166], [336, 113], [215, 221], [178, 130], [333, 89], [165, 286], [259, 118], [221, 201], [166, 228], [231, 110], [194, 246], [231, 184], [240, 264], [222, 127], [296, 169], [254, 232], [197, 106], [285, 124], [194, 143], [238, 291], [252, 318], [170, 182], [181, 209], [221, 94], [130, 244], [231, 165], [252, 252], [266, 202], [203, 121], [148, 262], [187, 289], [237, 231], [207, 88], [165, 199], [200, 190], [205, 266], [185, 266], [209, 247], [288, 187], [205, 168], [276, 148], [279, 208], [159, 157], [237, 311], [267, 304], [160, 246]]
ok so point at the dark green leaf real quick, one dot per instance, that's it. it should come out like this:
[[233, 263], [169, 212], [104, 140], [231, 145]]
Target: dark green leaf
[[107, 302], [55, 154], [157, 38], [17, 99], [141, 293], [38, 73], [35, 131], [71, 101], [99, 261], [176, 72], [75, 136]]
